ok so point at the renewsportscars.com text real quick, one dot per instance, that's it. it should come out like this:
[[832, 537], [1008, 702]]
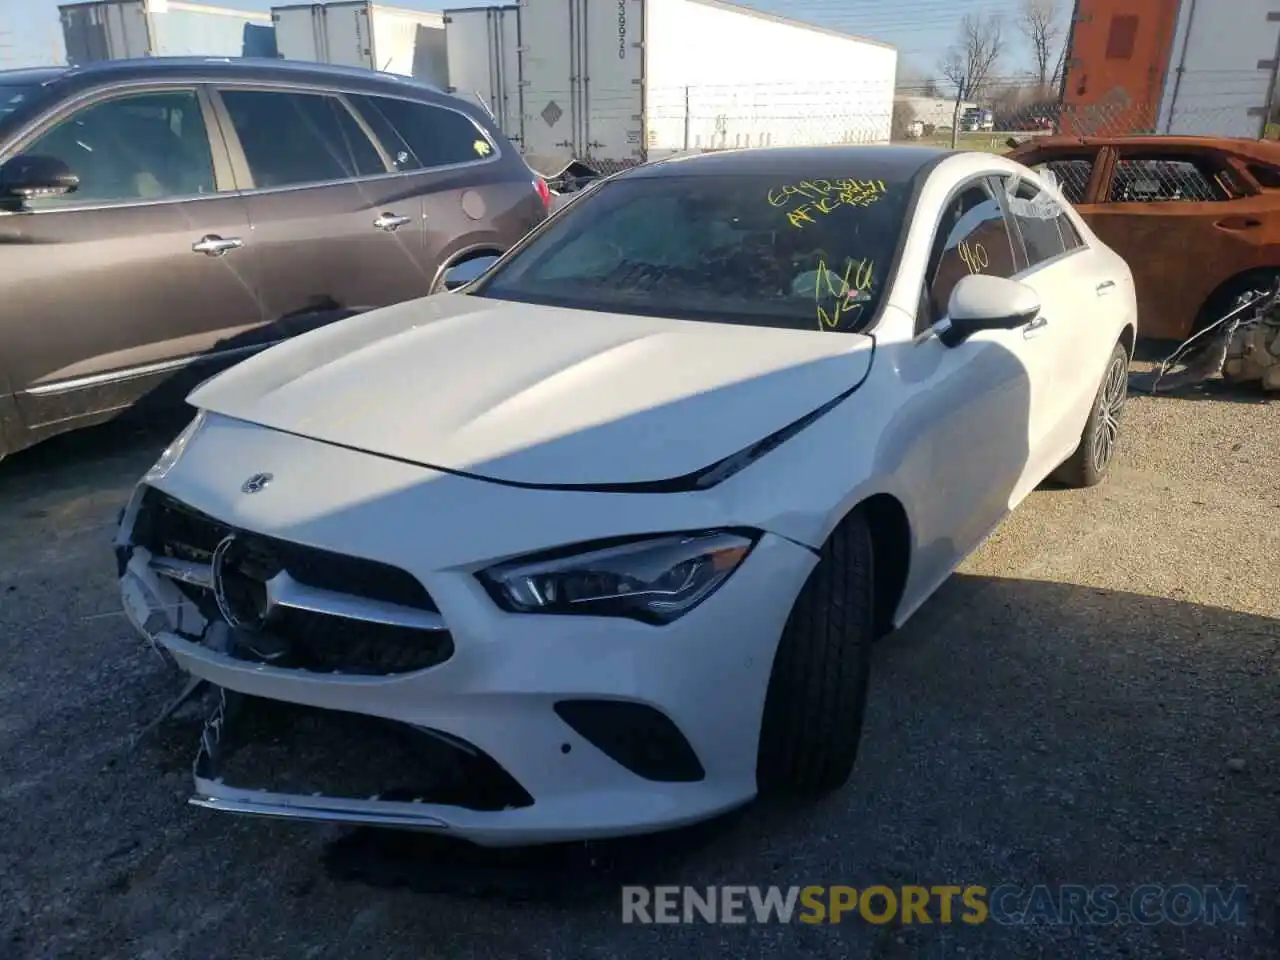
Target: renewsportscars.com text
[[1009, 905]]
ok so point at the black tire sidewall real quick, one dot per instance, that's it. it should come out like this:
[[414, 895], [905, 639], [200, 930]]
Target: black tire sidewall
[[811, 725]]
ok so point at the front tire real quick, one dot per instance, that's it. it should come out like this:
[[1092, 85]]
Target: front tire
[[1091, 462], [817, 692]]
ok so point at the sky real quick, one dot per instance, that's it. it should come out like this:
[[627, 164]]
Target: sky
[[30, 31]]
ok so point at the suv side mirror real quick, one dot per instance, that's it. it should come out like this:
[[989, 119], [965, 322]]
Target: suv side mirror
[[979, 302], [467, 271], [28, 176]]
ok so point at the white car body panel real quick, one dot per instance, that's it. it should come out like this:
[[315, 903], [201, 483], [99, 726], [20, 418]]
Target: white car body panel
[[531, 395]]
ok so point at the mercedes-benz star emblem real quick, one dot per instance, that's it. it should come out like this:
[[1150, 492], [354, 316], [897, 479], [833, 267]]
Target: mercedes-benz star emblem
[[257, 483], [227, 606]]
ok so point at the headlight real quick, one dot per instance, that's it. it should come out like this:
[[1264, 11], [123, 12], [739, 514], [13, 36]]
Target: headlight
[[655, 580], [173, 453]]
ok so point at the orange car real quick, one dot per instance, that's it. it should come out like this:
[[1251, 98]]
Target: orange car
[[1197, 218]]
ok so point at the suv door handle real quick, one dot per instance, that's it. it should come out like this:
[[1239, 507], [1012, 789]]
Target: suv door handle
[[390, 221], [1238, 223], [215, 246], [1105, 287]]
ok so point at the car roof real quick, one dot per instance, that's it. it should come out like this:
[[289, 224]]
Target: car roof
[[855, 162], [240, 68], [27, 76]]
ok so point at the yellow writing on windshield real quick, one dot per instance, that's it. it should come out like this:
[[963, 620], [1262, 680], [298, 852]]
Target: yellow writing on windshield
[[846, 289], [973, 257], [810, 199]]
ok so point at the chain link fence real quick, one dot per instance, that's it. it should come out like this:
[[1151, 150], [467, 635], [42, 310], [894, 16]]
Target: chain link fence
[[616, 133]]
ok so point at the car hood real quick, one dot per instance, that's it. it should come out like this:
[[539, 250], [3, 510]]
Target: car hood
[[539, 395]]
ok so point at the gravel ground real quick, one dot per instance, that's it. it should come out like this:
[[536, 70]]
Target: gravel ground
[[1092, 700]]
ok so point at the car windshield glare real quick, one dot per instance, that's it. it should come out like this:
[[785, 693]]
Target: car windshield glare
[[805, 254]]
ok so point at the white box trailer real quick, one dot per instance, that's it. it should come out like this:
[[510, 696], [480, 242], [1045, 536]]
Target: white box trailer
[[362, 34], [485, 55], [129, 29], [1222, 69], [614, 82]]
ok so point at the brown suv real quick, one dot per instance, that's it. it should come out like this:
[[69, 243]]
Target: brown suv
[[160, 219]]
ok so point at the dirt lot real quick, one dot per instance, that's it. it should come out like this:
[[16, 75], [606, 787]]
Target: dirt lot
[[1093, 700]]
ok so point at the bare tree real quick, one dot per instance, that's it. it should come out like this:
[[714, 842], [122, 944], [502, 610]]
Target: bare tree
[[1040, 21], [970, 64], [904, 120]]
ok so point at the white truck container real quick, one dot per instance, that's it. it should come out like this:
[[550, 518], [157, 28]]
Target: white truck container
[[485, 56], [1222, 69], [129, 29], [362, 34], [625, 81]]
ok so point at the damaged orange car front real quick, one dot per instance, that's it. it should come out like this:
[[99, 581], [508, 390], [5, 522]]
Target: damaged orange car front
[[1197, 218]]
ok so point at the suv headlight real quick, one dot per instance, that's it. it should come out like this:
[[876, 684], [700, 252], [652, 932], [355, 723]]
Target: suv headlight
[[656, 580]]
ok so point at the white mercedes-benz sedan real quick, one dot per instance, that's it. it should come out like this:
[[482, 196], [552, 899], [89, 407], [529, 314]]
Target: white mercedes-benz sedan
[[597, 543]]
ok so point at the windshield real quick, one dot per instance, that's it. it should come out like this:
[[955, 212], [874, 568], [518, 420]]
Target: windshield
[[807, 255]]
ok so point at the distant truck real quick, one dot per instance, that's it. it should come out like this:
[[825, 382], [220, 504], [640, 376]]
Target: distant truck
[[976, 119], [619, 83], [132, 29], [374, 36]]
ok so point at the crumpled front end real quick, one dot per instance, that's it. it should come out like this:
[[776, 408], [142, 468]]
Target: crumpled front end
[[394, 692], [190, 582]]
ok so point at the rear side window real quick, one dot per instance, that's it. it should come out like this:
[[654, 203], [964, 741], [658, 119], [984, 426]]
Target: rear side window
[[1165, 179], [1071, 238], [1040, 223], [299, 138], [420, 136], [1072, 176]]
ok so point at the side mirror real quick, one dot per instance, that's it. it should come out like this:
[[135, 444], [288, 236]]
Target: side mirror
[[467, 271], [979, 302], [28, 176]]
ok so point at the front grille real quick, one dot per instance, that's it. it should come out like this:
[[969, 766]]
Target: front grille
[[324, 643], [169, 528], [293, 638]]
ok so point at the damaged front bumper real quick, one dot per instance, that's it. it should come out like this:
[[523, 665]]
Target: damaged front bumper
[[514, 731], [328, 765]]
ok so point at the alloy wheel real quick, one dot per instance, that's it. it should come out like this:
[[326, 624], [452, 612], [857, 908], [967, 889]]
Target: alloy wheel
[[1115, 391]]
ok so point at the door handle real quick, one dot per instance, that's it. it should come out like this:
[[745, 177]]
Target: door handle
[[391, 221], [214, 246], [1238, 223], [1105, 287], [1035, 327]]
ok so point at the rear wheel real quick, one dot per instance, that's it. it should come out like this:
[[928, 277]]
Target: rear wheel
[[1223, 301], [1090, 463], [818, 689]]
